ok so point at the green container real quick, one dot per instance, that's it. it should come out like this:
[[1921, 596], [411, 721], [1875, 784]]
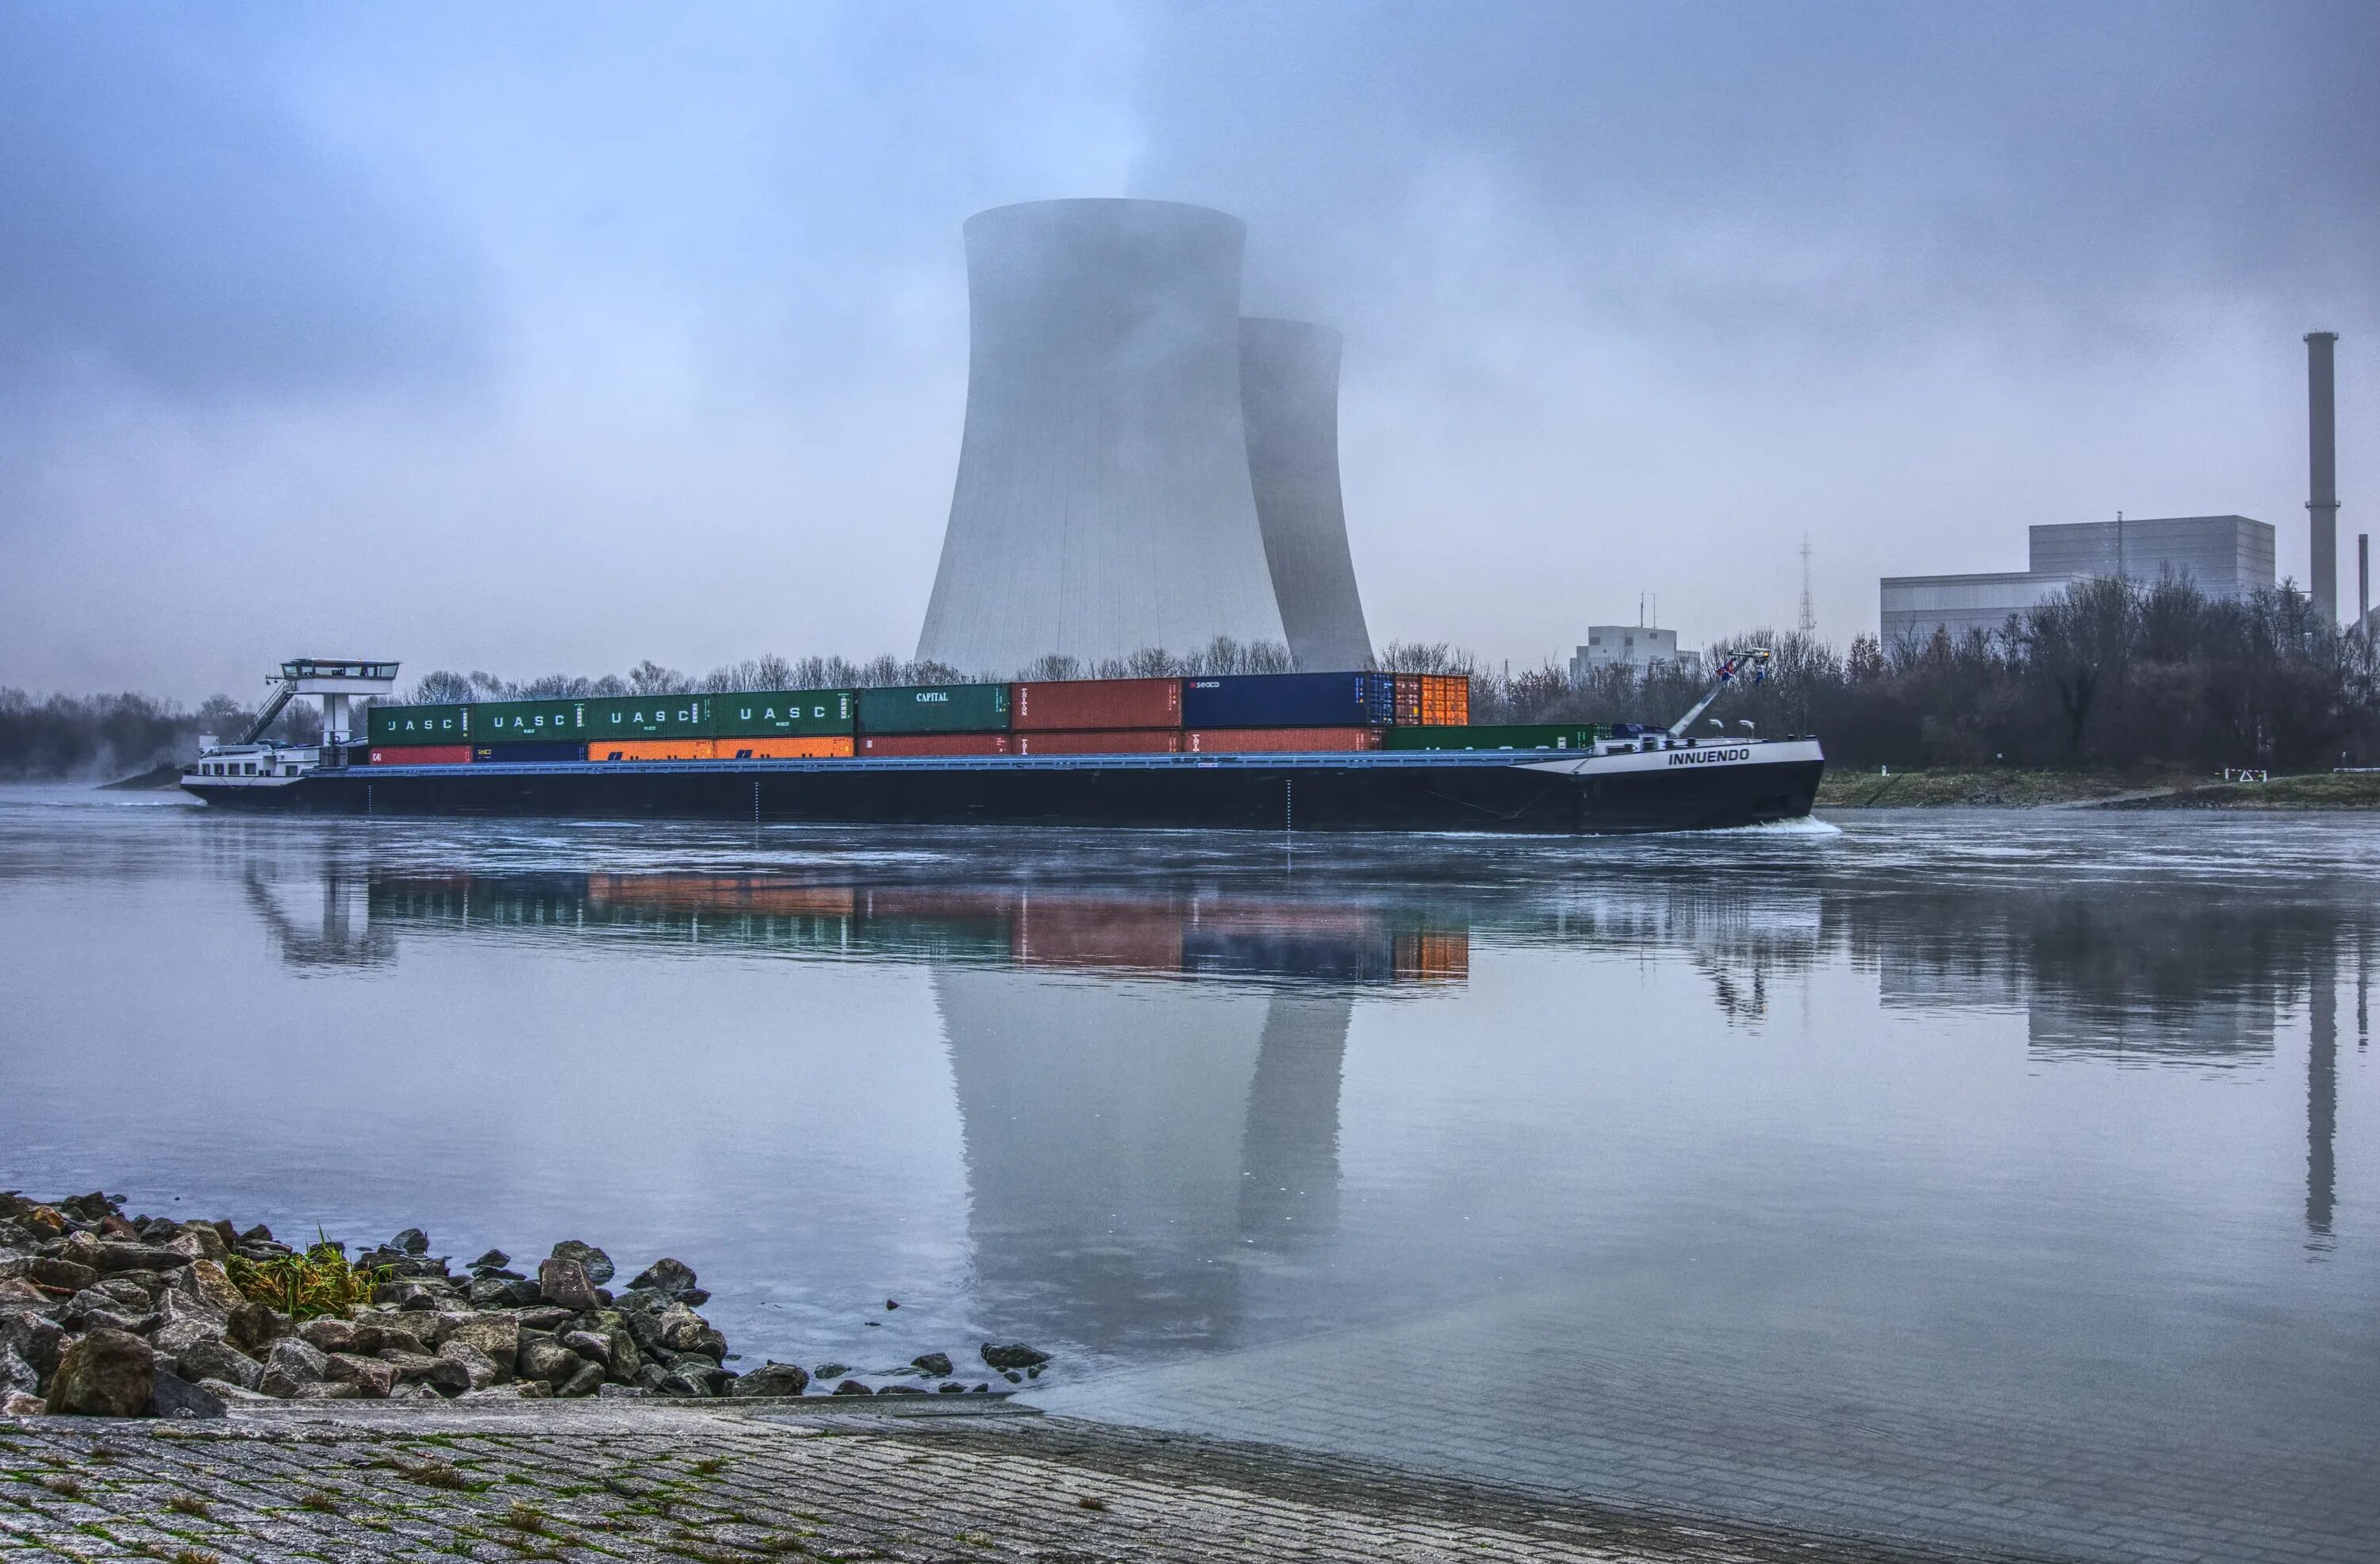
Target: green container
[[935, 708], [394, 726], [524, 722], [650, 716], [757, 713], [1510, 735]]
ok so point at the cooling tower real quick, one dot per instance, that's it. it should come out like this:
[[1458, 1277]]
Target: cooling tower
[[1102, 502], [1289, 393]]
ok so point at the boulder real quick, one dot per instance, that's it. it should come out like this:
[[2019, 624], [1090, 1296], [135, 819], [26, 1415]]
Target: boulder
[[18, 1294], [495, 1335], [852, 1387], [613, 1392], [1014, 1356], [480, 1370], [106, 1374], [594, 1261], [371, 1375], [205, 1281], [234, 1394], [589, 1345], [15, 1403], [493, 1260], [135, 1290], [684, 1380], [671, 1278], [177, 1337], [413, 1240], [172, 1396], [625, 1358], [35, 1338], [411, 1329], [173, 1306], [680, 1329], [547, 1360], [566, 1284], [831, 1371], [443, 1374], [490, 1292], [218, 1360], [116, 1255], [253, 1327], [94, 1310], [935, 1363], [328, 1390], [204, 1240], [56, 1274], [333, 1335], [16, 1373], [586, 1382], [290, 1365], [546, 1318], [772, 1378]]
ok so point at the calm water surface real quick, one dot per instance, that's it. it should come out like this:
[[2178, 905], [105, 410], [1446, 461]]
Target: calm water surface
[[2001, 1178]]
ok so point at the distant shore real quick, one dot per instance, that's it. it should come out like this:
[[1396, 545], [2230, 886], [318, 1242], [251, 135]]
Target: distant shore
[[2012, 787]]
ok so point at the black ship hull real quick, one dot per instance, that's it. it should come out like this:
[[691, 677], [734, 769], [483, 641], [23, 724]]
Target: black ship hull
[[1673, 790]]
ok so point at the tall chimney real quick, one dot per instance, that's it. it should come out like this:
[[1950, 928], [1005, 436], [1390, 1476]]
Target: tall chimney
[[2322, 460]]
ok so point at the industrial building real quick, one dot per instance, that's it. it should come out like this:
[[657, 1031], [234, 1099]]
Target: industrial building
[[2223, 555], [1140, 468], [1635, 646]]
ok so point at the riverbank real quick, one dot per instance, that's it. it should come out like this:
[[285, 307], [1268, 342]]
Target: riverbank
[[2009, 788], [721, 1481]]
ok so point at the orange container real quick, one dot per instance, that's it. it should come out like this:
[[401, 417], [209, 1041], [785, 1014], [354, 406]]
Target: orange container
[[1445, 701], [652, 749], [1130, 741], [817, 746], [1232, 740]]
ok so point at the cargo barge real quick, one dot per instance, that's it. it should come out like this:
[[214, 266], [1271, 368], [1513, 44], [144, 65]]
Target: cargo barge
[[1349, 775]]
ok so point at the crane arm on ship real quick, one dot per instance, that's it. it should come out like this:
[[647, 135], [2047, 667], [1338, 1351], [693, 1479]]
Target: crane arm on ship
[[1753, 665]]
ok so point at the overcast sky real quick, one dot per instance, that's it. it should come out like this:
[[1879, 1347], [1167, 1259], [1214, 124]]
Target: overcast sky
[[545, 340]]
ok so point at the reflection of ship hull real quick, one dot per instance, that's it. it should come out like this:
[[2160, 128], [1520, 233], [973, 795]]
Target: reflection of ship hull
[[1663, 791]]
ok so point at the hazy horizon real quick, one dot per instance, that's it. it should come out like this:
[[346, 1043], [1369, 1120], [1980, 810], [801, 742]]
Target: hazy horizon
[[552, 339]]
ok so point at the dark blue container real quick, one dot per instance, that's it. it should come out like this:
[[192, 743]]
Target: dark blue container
[[542, 753], [1336, 700]]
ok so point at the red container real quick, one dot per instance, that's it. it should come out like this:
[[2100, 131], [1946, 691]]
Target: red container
[[422, 754], [934, 744], [1232, 740], [1130, 741], [1095, 704]]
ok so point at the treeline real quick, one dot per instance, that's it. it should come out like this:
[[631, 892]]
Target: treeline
[[2110, 675], [105, 737]]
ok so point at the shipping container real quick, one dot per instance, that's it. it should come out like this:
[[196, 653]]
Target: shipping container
[[1512, 736], [1408, 707], [516, 722], [781, 713], [1115, 741], [935, 708], [817, 746], [649, 717], [1095, 704], [650, 749], [1335, 699], [543, 752], [404, 725], [421, 754], [1445, 700], [933, 743], [1235, 740]]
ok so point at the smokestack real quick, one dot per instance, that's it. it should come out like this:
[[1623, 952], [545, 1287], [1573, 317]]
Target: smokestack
[[2322, 460], [2363, 580]]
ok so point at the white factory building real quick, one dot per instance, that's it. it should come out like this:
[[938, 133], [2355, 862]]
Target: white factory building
[[1635, 646], [2224, 555]]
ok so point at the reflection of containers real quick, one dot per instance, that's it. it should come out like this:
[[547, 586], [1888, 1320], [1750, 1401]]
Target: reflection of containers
[[421, 754], [1062, 932], [815, 747], [932, 744], [1432, 955], [782, 713], [935, 708], [544, 753], [525, 722], [418, 726], [1093, 704], [1232, 740], [650, 749], [1505, 736], [649, 717], [1132, 742], [1338, 700]]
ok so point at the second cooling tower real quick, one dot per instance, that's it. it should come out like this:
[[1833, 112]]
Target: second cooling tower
[[1289, 393], [1103, 501]]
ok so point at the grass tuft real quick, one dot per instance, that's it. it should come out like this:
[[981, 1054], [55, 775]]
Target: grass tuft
[[189, 1504], [1087, 1502], [305, 1287], [64, 1487], [525, 1517], [320, 1502]]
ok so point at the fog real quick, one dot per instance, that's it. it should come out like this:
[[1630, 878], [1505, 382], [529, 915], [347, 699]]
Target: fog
[[553, 338]]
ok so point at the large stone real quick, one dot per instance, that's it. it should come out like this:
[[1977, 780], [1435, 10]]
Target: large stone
[[441, 1374], [493, 1260], [136, 1290], [172, 1396], [254, 1326], [594, 1261], [566, 1284], [480, 1370], [547, 1360], [1014, 1356], [205, 1280], [173, 1306], [216, 1359], [16, 1373], [625, 1358], [35, 1338], [772, 1379], [223, 1390], [496, 1335], [328, 1390], [935, 1363], [588, 1344], [413, 1240], [371, 1375], [491, 1292], [682, 1330], [290, 1365], [106, 1374], [419, 1327], [177, 1337], [17, 1295], [17, 1403], [330, 1335], [684, 1380], [53, 1272], [586, 1382], [671, 1278], [114, 1255], [94, 1310], [206, 1238]]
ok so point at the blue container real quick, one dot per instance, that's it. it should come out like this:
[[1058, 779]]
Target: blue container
[[1336, 700], [540, 753]]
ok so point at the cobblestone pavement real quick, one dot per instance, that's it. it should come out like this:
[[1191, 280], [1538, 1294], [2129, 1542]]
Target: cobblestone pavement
[[595, 1481]]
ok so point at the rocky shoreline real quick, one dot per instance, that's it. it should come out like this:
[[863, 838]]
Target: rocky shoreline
[[104, 1314]]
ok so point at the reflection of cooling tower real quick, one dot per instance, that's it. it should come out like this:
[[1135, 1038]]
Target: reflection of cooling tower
[[1122, 1143], [1103, 502], [1288, 392]]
